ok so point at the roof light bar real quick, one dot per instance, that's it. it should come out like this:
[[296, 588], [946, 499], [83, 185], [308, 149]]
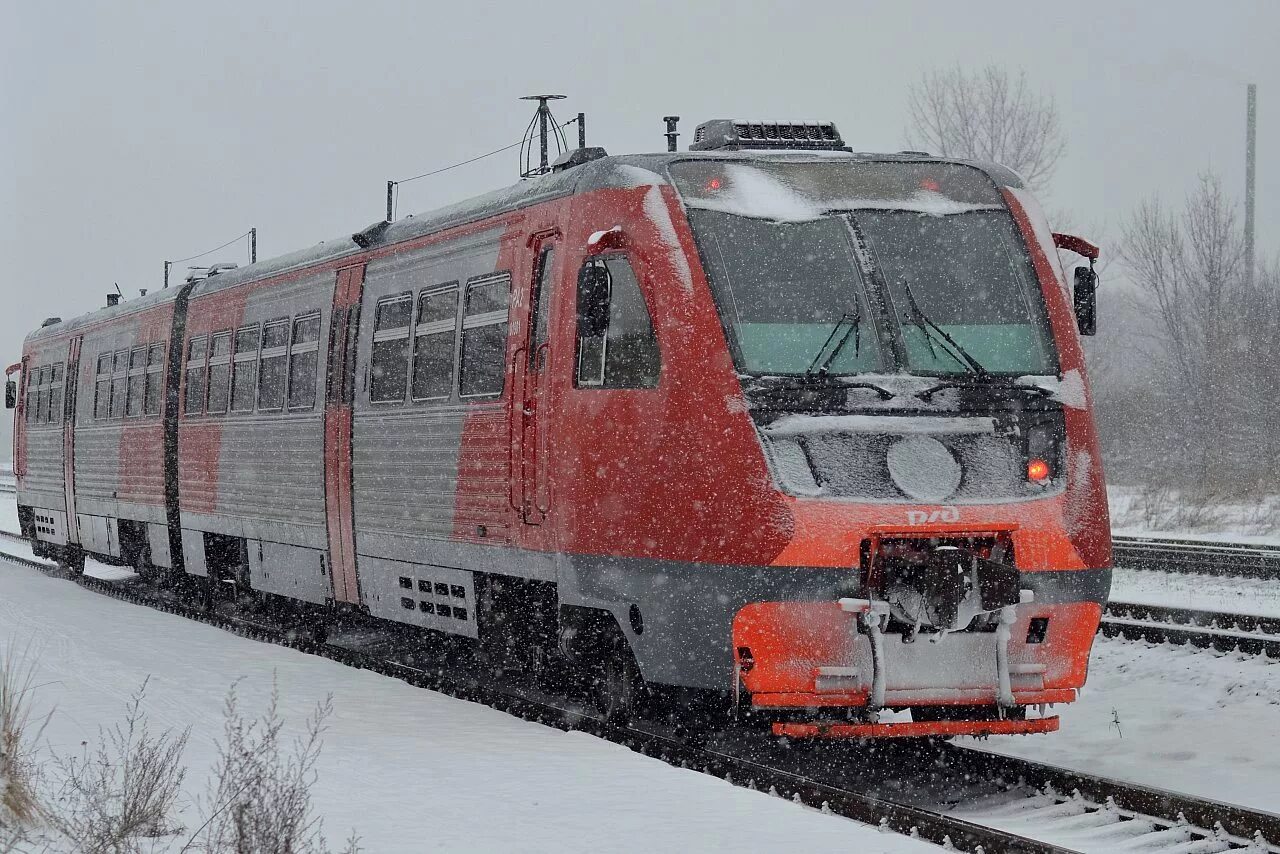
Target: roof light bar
[[731, 135]]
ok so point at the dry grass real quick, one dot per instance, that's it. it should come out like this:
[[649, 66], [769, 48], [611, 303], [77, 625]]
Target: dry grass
[[19, 805], [121, 795]]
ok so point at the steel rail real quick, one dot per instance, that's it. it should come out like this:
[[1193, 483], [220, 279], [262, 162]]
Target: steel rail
[[1224, 632], [1199, 557]]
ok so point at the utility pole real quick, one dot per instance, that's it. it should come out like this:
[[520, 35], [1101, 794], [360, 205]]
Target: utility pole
[[253, 246], [1250, 169]]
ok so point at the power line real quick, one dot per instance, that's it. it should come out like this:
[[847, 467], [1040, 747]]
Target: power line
[[214, 249]]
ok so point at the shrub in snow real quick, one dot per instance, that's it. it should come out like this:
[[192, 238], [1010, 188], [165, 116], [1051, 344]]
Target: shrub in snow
[[18, 804]]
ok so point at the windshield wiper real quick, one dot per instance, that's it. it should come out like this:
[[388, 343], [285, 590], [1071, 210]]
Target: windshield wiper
[[824, 365], [933, 330]]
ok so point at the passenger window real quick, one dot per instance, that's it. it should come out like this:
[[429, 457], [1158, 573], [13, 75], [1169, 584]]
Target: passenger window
[[433, 343], [244, 369], [119, 382], [197, 354], [541, 305], [55, 393], [102, 389], [617, 347], [484, 336], [303, 362], [271, 369], [154, 401], [42, 395], [389, 371], [219, 371], [137, 381]]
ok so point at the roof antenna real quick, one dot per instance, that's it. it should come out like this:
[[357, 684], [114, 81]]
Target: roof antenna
[[546, 125]]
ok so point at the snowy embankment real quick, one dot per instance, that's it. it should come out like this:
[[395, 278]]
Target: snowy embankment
[[408, 769], [1154, 512]]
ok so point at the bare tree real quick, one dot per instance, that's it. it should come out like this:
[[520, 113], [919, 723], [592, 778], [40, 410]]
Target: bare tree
[[1221, 359], [986, 115]]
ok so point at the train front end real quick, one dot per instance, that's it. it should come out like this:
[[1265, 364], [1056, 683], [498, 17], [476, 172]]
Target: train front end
[[909, 353]]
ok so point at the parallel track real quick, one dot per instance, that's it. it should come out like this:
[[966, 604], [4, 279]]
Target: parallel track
[[1161, 554], [948, 774], [1205, 629]]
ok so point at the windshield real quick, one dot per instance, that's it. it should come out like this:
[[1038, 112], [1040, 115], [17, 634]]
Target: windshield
[[779, 244], [784, 288]]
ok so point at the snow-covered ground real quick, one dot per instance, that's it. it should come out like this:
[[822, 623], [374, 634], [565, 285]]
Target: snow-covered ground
[[1202, 592], [408, 769], [1142, 512], [1193, 721]]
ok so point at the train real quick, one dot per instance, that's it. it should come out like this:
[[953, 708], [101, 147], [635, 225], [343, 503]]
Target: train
[[799, 432]]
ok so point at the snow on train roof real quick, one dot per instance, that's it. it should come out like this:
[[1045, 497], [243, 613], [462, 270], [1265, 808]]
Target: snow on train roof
[[625, 171]]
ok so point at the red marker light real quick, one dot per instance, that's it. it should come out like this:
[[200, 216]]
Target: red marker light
[[1037, 470], [713, 184], [930, 184]]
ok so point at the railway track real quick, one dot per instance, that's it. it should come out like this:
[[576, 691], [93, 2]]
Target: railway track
[[913, 789], [1161, 554], [1205, 629]]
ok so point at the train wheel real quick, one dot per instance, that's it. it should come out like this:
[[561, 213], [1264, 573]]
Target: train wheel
[[72, 561], [621, 689]]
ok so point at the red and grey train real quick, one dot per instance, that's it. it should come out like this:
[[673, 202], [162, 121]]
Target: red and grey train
[[767, 421]]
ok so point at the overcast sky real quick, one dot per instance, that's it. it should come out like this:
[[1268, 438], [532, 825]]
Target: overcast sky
[[135, 132]]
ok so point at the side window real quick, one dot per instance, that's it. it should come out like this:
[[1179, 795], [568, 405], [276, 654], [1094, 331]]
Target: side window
[[275, 352], [197, 356], [389, 370], [219, 371], [303, 362], [137, 381], [154, 399], [119, 382], [42, 395], [541, 305], [55, 393], [433, 342], [484, 336], [617, 347], [244, 370], [33, 396], [101, 389]]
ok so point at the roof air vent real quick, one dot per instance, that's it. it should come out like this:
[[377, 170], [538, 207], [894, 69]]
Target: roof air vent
[[730, 135], [371, 235], [50, 321]]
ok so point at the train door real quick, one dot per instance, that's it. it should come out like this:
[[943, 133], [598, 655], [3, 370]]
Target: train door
[[70, 383], [531, 362], [339, 397]]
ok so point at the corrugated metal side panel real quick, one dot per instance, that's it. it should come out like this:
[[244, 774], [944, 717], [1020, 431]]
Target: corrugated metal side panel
[[485, 470], [97, 461], [270, 469], [42, 486], [406, 470]]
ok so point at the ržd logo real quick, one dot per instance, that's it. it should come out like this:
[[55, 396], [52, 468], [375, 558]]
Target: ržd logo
[[921, 517]]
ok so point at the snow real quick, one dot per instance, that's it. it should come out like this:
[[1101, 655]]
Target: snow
[[799, 425], [655, 208], [1147, 512], [1068, 389], [754, 193], [1199, 592], [408, 769], [1171, 717], [627, 176], [923, 468]]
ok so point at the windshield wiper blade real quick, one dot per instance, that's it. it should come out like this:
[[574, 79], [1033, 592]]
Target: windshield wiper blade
[[931, 329], [824, 365]]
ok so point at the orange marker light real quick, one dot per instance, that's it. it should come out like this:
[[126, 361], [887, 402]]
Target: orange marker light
[[713, 184], [1037, 470]]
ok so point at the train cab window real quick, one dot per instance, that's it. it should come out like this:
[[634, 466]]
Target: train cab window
[[219, 371], [197, 358], [541, 305], [617, 347], [119, 382], [433, 342], [137, 381], [484, 336], [32, 376], [304, 354], [154, 392], [101, 390], [244, 369], [271, 368], [389, 365], [55, 392]]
